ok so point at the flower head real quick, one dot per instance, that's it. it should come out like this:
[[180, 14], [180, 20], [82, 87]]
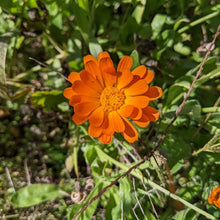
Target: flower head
[[107, 98], [215, 197]]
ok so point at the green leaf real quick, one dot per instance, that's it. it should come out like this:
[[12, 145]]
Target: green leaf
[[47, 99], [125, 191], [177, 90], [35, 194], [135, 57], [139, 11], [173, 153], [205, 78], [84, 4], [95, 48], [180, 48], [193, 107], [157, 24]]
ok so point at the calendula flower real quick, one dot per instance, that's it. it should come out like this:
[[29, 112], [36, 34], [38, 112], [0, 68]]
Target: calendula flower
[[215, 197], [108, 98]]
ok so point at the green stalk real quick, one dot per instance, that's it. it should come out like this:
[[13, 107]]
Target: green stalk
[[137, 173], [200, 20], [211, 109]]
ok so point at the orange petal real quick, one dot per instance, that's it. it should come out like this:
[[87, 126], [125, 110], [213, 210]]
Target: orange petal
[[143, 121], [149, 76], [78, 119], [90, 81], [107, 125], [75, 100], [116, 121], [151, 113], [107, 69], [154, 92], [68, 93], [125, 64], [124, 78], [130, 111], [94, 131], [91, 65], [138, 88], [97, 117], [142, 124], [73, 77], [130, 133], [138, 101], [140, 71], [105, 139], [85, 108], [82, 89]]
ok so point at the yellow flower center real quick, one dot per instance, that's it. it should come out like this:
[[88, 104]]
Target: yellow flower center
[[112, 99]]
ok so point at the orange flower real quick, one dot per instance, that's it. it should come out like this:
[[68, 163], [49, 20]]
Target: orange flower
[[215, 197], [107, 97]]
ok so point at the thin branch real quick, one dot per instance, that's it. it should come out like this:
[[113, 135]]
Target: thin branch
[[162, 138], [27, 172], [9, 179], [48, 67]]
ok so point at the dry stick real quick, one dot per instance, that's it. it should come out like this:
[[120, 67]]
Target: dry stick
[[162, 138], [44, 65]]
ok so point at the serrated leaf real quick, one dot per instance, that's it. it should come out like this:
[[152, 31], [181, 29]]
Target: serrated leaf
[[35, 194]]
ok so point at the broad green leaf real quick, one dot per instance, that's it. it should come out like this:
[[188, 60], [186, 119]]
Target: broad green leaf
[[145, 30], [95, 48], [127, 31], [35, 194], [157, 24], [4, 39], [180, 48], [174, 153], [47, 99], [84, 4], [139, 11], [83, 22], [193, 107]]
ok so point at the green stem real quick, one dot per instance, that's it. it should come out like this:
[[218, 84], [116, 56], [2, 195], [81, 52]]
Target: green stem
[[211, 109], [210, 144], [137, 173], [194, 23]]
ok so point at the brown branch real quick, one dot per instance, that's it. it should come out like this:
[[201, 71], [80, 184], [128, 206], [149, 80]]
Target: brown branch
[[164, 135], [48, 67]]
